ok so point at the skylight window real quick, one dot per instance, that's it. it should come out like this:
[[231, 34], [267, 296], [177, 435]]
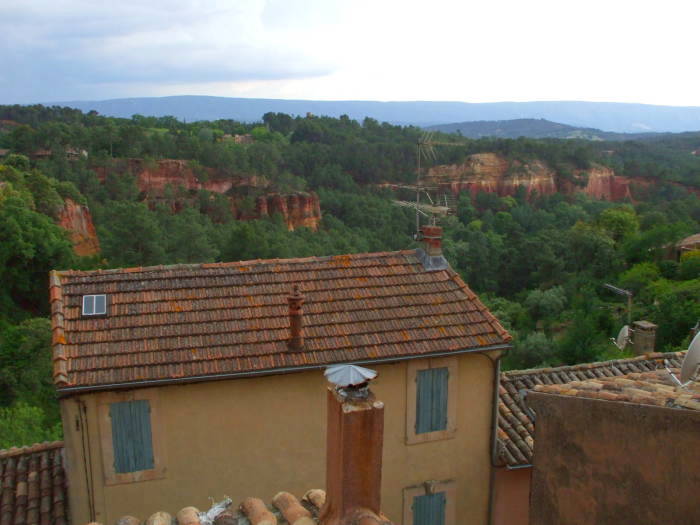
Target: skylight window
[[94, 304]]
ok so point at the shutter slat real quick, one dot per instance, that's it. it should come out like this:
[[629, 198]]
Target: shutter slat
[[424, 401], [440, 381]]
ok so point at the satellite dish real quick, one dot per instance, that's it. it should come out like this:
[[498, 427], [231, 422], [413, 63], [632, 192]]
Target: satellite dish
[[623, 337], [692, 359], [344, 376]]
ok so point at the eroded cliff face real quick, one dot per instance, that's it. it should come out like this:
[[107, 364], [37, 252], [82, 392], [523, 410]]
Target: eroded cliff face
[[298, 209], [76, 219], [489, 172], [153, 178]]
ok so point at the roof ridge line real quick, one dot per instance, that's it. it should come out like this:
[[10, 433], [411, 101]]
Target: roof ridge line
[[30, 449], [653, 356], [228, 264]]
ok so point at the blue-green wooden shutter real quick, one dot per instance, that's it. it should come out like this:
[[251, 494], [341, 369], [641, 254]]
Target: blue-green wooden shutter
[[131, 436], [429, 509], [431, 400]]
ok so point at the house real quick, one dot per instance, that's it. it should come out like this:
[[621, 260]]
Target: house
[[175, 381], [33, 485], [686, 245], [516, 428], [621, 449]]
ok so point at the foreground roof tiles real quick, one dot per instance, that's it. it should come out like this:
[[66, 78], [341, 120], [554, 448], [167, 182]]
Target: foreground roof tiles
[[285, 509], [515, 425], [33, 485], [196, 322]]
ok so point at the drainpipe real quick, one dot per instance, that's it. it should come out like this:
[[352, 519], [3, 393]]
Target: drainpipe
[[496, 364]]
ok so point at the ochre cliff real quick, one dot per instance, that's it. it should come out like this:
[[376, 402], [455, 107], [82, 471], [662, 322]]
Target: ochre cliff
[[76, 219], [153, 177], [298, 209], [492, 173]]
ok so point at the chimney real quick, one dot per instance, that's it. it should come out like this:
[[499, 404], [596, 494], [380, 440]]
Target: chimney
[[296, 319], [643, 337], [353, 451], [432, 240], [431, 254]]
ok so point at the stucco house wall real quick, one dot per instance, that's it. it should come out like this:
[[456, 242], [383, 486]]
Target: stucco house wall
[[265, 434]]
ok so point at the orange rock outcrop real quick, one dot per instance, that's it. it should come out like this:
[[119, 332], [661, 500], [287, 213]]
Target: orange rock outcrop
[[298, 209], [77, 221], [492, 173], [152, 178]]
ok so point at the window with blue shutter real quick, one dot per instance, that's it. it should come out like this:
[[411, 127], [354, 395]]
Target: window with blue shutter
[[131, 436], [429, 509], [431, 400]]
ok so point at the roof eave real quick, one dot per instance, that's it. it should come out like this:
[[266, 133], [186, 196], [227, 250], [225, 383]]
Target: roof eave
[[68, 390]]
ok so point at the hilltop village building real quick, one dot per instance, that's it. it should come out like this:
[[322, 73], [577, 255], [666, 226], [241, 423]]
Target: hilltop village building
[[177, 383]]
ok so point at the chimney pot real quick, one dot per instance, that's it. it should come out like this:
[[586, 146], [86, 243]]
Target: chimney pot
[[296, 319]]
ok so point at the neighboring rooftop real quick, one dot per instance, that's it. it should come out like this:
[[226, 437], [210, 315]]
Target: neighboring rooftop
[[205, 321], [33, 487], [655, 388], [515, 426], [285, 509]]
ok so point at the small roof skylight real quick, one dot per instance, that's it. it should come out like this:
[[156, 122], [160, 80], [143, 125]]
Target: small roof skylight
[[94, 304]]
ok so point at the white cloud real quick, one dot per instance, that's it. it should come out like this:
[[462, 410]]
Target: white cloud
[[352, 49]]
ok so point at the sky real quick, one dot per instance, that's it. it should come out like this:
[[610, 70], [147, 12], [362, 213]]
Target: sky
[[471, 51]]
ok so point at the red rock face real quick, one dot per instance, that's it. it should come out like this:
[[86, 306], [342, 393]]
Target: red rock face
[[76, 219], [489, 172], [152, 178], [298, 209]]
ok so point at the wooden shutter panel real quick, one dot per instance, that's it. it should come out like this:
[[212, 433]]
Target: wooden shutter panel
[[431, 400], [429, 509], [424, 401], [439, 409], [131, 436]]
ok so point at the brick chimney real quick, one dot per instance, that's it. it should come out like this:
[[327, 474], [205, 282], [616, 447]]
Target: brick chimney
[[353, 457], [432, 240], [431, 253], [296, 319]]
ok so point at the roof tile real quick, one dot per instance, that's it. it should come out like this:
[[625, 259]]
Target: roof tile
[[193, 321]]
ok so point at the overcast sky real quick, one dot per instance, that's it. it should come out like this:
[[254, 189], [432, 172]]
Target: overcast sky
[[462, 50]]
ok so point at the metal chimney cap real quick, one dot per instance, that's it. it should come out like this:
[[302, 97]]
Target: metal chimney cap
[[344, 376]]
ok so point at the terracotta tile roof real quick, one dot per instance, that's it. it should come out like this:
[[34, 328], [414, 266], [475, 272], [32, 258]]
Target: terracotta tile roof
[[655, 388], [285, 509], [33, 485], [515, 426], [196, 322]]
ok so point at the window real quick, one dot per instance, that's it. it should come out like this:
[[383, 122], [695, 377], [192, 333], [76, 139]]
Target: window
[[429, 509], [131, 437], [431, 400], [430, 503], [94, 304], [431, 404]]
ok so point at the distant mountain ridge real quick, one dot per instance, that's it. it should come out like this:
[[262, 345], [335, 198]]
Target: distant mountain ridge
[[532, 128], [608, 116]]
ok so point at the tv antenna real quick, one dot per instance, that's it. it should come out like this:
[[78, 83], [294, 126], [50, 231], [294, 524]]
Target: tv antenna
[[425, 150], [623, 336]]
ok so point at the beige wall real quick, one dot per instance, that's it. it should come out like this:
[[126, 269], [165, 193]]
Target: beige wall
[[258, 436]]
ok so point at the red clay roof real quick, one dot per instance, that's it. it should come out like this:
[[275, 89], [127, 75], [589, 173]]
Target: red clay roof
[[33, 485], [194, 322], [655, 388], [515, 425]]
